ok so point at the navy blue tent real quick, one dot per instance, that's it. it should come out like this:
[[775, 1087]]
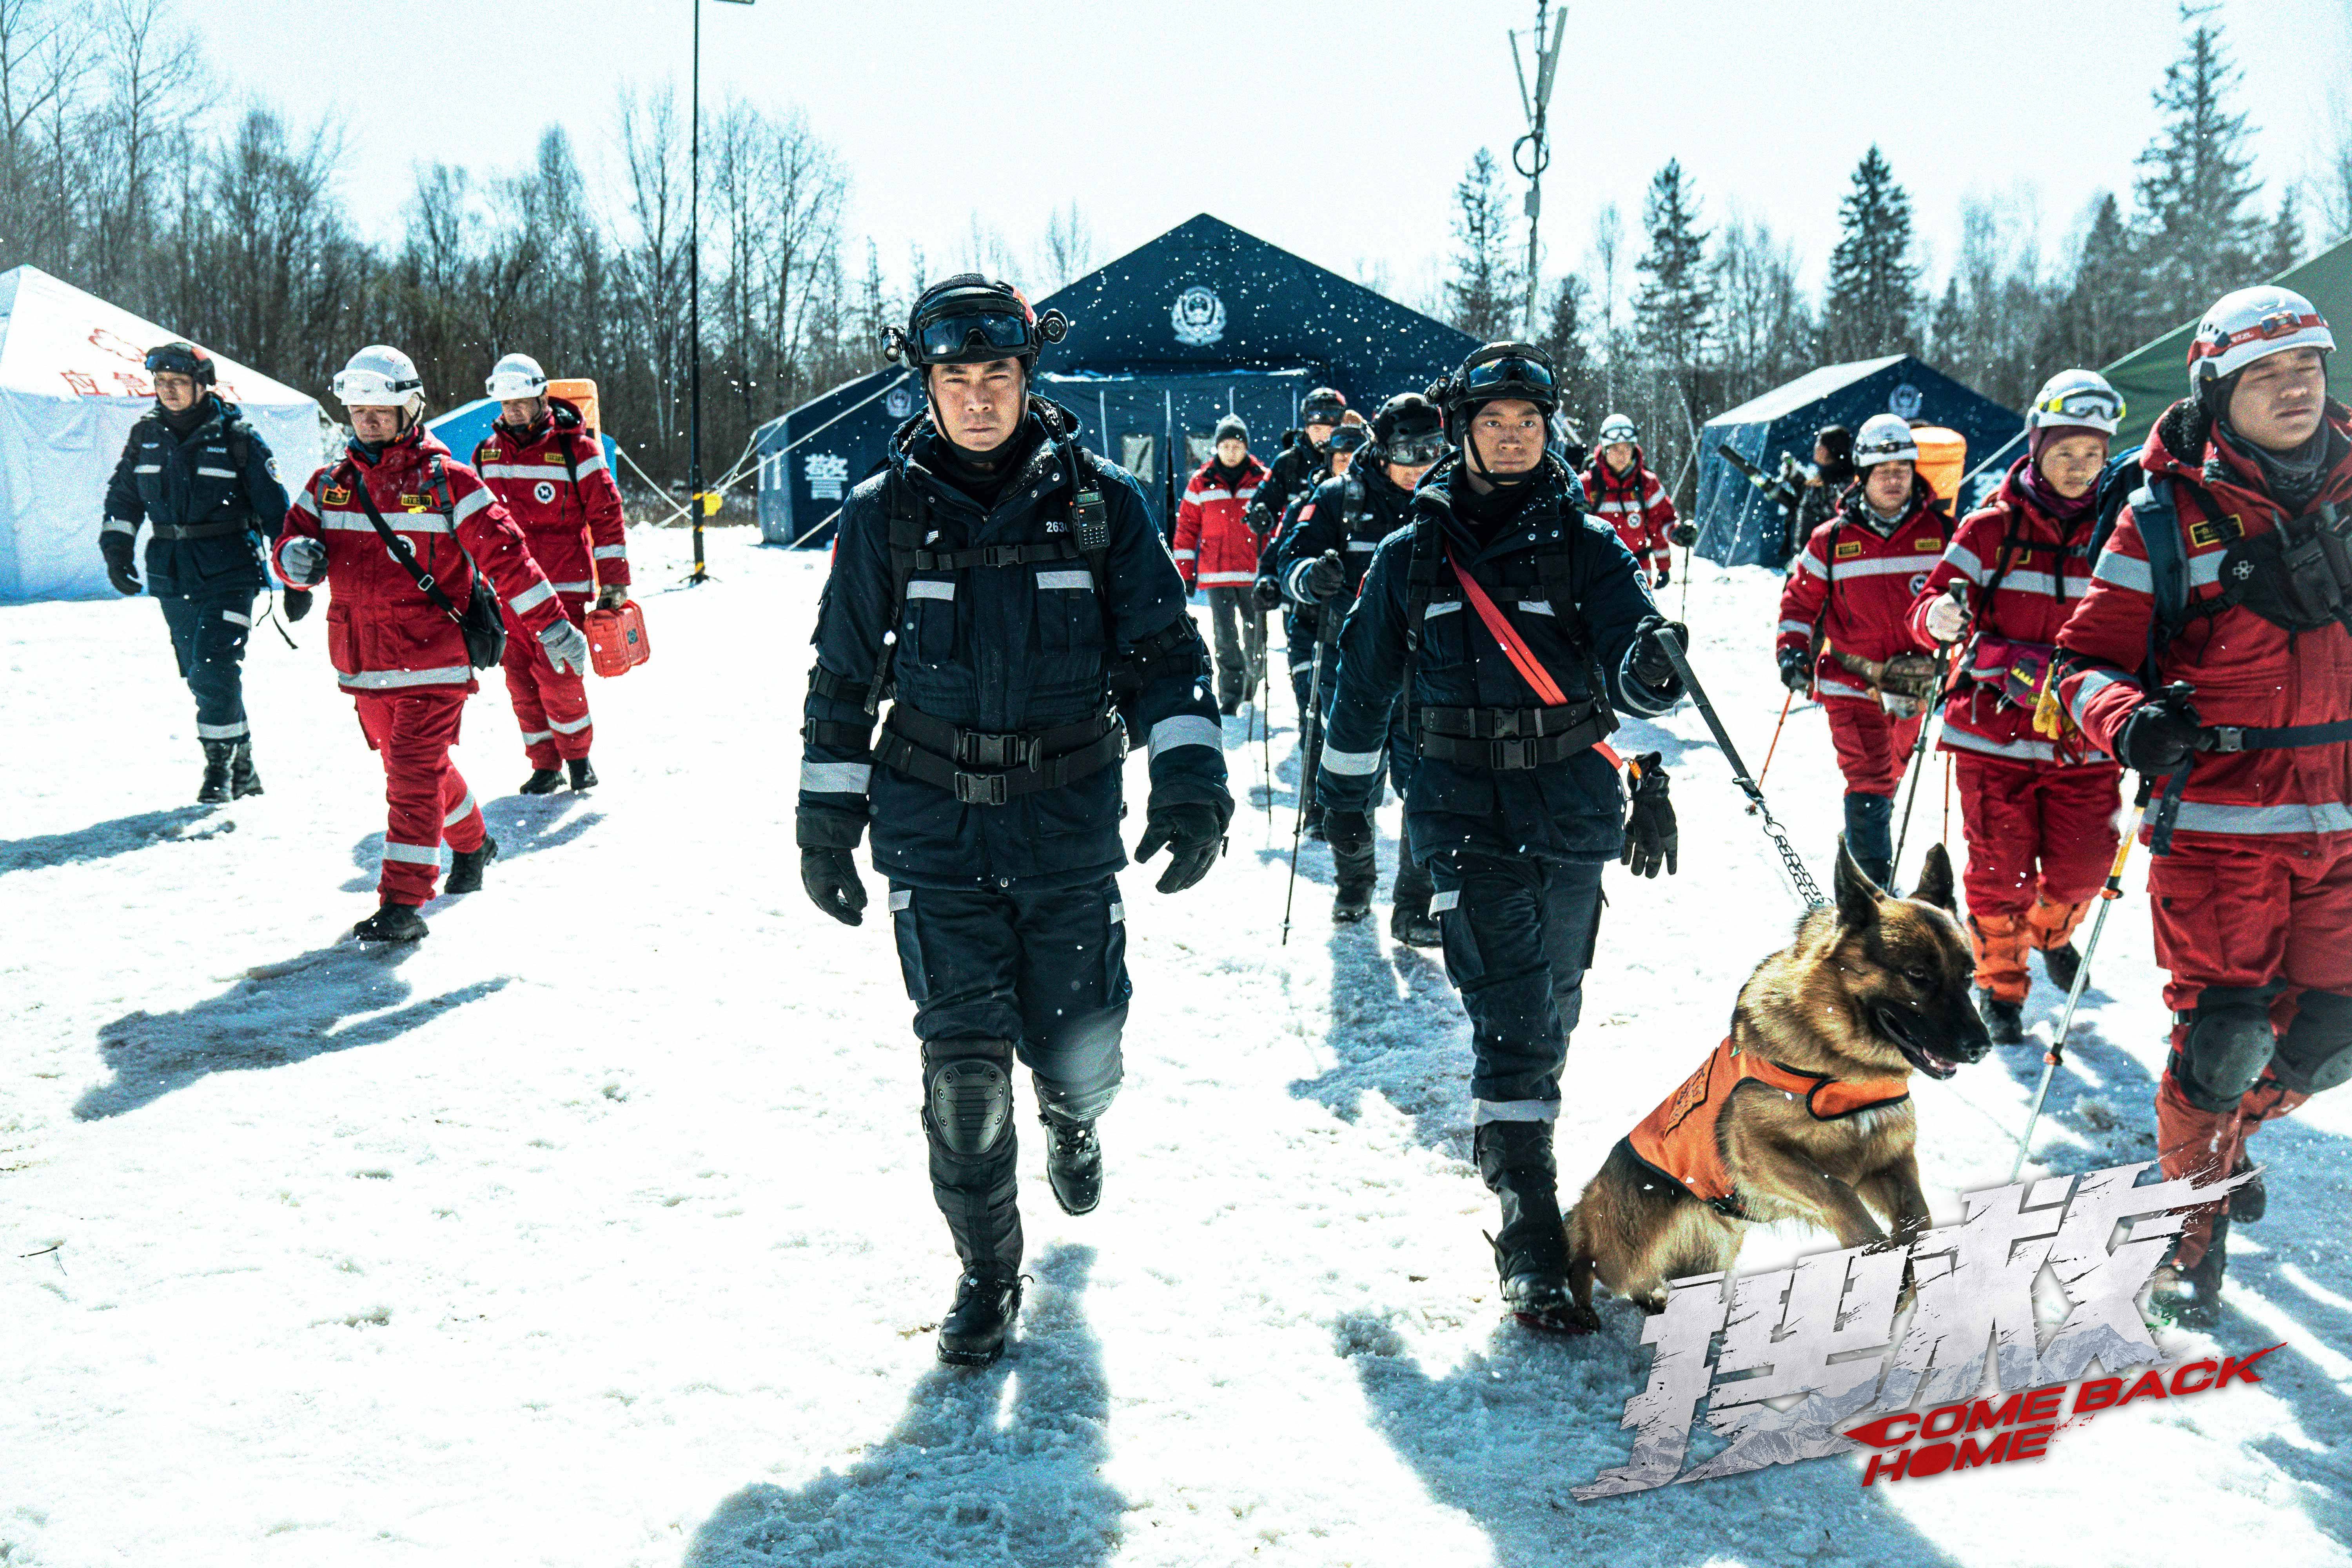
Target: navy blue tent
[[464, 428], [1203, 321], [1735, 518]]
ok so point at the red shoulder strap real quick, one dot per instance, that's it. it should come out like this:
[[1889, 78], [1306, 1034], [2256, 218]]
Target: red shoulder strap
[[1515, 646]]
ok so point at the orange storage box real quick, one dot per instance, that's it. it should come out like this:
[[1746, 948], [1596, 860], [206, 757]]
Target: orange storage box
[[616, 640]]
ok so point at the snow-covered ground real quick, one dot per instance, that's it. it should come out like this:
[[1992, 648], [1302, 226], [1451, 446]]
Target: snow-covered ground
[[595, 1230]]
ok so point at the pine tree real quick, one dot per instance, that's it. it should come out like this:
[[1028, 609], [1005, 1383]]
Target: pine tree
[[1483, 295], [1673, 314], [2198, 239], [1563, 337], [2282, 243], [2104, 313], [1873, 306]]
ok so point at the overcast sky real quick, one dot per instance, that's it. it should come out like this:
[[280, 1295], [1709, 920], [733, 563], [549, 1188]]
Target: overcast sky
[[1337, 131]]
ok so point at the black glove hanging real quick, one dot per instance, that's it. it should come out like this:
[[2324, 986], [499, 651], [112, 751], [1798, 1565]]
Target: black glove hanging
[[298, 602], [1796, 669], [1650, 839], [1196, 834], [2158, 735]]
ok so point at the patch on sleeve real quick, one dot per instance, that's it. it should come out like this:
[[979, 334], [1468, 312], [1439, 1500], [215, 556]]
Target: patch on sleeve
[[1307, 511], [336, 495]]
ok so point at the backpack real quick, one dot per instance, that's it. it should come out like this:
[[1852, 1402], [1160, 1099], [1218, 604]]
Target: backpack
[[2155, 508]]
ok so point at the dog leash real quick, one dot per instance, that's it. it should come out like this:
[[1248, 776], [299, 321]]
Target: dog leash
[[1807, 888]]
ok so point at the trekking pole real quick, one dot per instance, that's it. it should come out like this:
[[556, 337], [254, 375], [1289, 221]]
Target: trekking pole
[[1807, 888], [1911, 797], [1786, 703], [1310, 728], [2107, 895], [1266, 720]]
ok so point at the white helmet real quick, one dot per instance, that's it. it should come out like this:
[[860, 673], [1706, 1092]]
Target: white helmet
[[1884, 439], [1616, 428], [516, 377], [2080, 397], [2248, 324], [381, 376]]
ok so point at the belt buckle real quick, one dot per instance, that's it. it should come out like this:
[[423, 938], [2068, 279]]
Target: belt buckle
[[980, 789], [1506, 722], [1000, 555], [1515, 753], [2229, 737]]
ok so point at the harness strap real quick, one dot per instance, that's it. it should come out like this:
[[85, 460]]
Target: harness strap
[[2286, 737], [928, 749], [1515, 646], [996, 555], [202, 530]]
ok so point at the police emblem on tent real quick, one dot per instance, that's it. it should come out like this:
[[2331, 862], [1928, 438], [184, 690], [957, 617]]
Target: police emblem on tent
[[1199, 317], [1904, 401], [899, 401]]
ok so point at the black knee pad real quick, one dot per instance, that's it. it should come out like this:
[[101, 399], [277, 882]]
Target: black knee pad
[[2230, 1042], [2316, 1052], [968, 1094]]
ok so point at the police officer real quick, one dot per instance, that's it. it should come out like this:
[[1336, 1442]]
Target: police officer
[[1304, 463], [1027, 589], [1320, 565], [205, 480], [1513, 624]]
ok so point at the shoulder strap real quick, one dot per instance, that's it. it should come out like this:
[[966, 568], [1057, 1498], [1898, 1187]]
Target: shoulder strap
[[1515, 646], [2155, 507], [239, 435], [909, 512], [397, 545], [571, 463]]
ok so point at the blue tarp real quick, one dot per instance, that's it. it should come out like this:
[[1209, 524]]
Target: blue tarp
[[462, 429], [1203, 321], [1736, 521]]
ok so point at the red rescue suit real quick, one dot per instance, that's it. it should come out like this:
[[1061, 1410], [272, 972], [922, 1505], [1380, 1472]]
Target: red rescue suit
[[555, 482], [2253, 905], [1214, 547], [2039, 809], [1637, 507], [1852, 591], [403, 661]]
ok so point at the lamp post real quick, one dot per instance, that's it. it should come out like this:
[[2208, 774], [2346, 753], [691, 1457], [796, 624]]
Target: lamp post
[[1535, 97], [695, 499]]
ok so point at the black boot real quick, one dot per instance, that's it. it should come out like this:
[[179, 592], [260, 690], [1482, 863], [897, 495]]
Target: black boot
[[542, 780], [393, 922], [2004, 1021], [1074, 1165], [1315, 821], [1230, 705], [2191, 1298], [583, 777], [1514, 1159], [242, 779], [2251, 1202], [218, 754], [1414, 926], [987, 1300], [1870, 835], [2061, 964], [1357, 875], [466, 867]]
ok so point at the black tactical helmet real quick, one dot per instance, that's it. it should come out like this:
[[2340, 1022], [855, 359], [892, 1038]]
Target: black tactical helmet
[[1410, 429], [1492, 374], [1322, 406], [181, 359], [970, 320]]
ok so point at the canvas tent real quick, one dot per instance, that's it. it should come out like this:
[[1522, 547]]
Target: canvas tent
[[462, 429], [1202, 321], [2155, 376], [72, 383], [1735, 518]]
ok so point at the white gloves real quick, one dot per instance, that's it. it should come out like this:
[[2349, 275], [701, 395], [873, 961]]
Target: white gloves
[[567, 647], [1946, 619], [303, 561]]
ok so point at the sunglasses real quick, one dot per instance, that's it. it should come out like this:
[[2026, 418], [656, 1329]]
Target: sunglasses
[[1412, 451]]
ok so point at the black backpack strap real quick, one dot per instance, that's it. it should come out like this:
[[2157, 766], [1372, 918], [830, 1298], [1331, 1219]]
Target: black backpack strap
[[1419, 585], [909, 512], [349, 472]]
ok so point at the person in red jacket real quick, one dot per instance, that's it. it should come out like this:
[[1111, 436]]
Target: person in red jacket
[[401, 657], [1628, 497], [1845, 630], [2229, 572], [2037, 800], [1217, 549], [547, 469]]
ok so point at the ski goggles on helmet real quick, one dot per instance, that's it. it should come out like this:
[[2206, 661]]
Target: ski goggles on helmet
[[2087, 406], [1415, 448], [1351, 438], [1508, 370], [947, 337], [177, 358]]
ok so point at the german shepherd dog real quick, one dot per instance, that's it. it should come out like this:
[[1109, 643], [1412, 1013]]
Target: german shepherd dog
[[1873, 988]]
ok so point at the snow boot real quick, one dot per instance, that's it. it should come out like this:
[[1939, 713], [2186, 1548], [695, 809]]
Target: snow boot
[[2188, 1295], [2199, 1145], [392, 922], [1315, 822], [2004, 1020], [1870, 835], [1515, 1160], [583, 777], [987, 1300], [242, 779], [2061, 964], [1353, 900], [466, 867], [218, 756], [2267, 1101], [542, 780], [1074, 1166], [1414, 926]]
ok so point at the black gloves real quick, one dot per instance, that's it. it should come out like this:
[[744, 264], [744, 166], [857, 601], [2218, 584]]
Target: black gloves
[[1650, 664], [118, 564], [1665, 575], [1268, 592], [1326, 578], [829, 872], [1650, 837], [1683, 533], [298, 602], [2159, 735], [1796, 669], [1348, 832], [1196, 834]]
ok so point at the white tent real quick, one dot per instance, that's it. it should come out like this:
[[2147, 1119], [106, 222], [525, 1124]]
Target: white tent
[[72, 383]]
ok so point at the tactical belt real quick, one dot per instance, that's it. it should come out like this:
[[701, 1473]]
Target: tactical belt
[[940, 753], [995, 555], [1512, 738], [201, 529], [2237, 738]]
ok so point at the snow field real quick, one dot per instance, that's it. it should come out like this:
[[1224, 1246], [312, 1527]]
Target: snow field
[[594, 1229]]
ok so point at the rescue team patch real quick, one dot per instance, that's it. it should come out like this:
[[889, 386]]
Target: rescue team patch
[[543, 492], [412, 504], [489, 453], [1925, 545], [1849, 550], [2217, 530], [551, 458], [338, 496], [1307, 511]]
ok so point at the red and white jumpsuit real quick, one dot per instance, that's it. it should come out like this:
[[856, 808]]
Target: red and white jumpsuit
[[1637, 506]]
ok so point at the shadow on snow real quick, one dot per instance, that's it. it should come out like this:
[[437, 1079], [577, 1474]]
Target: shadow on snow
[[104, 840], [523, 825]]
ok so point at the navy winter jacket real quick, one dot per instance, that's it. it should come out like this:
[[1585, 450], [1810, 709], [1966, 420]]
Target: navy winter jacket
[[1352, 514], [1569, 810], [1003, 649], [194, 481]]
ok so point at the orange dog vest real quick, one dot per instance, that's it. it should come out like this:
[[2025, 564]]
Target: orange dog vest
[[1678, 1139]]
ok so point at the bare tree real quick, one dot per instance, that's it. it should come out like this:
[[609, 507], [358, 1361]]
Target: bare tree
[[1066, 253]]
